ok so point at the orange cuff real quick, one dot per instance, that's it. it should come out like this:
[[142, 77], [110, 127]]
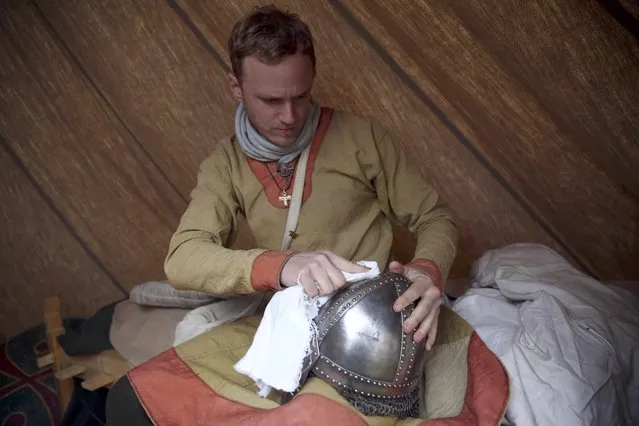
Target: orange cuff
[[265, 274], [429, 268]]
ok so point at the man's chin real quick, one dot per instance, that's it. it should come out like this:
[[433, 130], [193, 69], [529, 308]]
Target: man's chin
[[282, 141]]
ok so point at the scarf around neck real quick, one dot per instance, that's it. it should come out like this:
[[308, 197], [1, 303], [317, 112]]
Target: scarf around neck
[[261, 149]]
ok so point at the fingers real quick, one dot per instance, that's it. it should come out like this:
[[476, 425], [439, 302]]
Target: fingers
[[325, 268], [432, 333], [421, 283], [321, 277], [425, 314], [308, 282], [421, 311], [335, 276], [412, 293], [343, 264], [427, 323]]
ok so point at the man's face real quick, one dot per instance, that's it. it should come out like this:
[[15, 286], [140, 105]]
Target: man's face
[[276, 97]]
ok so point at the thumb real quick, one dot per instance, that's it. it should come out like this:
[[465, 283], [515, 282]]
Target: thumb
[[396, 267]]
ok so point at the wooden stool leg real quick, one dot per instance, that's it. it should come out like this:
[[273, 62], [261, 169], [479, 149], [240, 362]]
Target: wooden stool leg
[[55, 328]]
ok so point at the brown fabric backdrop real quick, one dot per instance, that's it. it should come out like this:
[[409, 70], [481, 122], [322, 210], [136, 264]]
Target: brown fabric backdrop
[[524, 115]]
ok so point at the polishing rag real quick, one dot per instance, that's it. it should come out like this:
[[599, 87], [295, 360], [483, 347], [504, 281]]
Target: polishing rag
[[285, 336]]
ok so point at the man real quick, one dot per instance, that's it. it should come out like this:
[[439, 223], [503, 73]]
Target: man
[[356, 183], [360, 181]]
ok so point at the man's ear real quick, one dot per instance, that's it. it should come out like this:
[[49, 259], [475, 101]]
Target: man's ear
[[236, 88]]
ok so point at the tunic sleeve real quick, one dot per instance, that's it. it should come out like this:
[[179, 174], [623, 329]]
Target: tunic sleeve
[[199, 257], [407, 197]]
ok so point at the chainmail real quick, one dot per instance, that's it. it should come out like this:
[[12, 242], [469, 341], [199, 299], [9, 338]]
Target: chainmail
[[406, 406], [402, 407]]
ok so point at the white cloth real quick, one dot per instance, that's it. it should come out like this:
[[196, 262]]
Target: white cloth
[[568, 342], [207, 317], [285, 336]]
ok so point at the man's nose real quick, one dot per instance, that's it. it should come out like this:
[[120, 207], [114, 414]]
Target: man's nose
[[288, 113]]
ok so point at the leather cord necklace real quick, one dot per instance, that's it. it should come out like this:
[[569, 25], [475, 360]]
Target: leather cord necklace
[[285, 197]]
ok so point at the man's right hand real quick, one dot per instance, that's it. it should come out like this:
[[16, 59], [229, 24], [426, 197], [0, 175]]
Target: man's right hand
[[319, 272]]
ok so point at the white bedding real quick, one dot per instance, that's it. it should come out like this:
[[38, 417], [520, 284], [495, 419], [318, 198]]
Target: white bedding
[[570, 343]]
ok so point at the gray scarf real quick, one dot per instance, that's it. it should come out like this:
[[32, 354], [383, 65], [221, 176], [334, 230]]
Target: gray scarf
[[259, 148]]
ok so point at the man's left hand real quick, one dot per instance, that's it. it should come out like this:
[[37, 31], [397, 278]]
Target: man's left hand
[[426, 313]]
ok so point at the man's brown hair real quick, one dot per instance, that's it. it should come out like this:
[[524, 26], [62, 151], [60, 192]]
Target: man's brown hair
[[269, 34]]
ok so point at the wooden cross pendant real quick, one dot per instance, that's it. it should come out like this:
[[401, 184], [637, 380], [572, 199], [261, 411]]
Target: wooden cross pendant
[[285, 198]]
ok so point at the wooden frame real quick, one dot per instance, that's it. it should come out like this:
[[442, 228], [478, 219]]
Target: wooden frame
[[96, 371]]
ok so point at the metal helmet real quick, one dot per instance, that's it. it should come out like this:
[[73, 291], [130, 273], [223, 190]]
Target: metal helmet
[[363, 352]]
